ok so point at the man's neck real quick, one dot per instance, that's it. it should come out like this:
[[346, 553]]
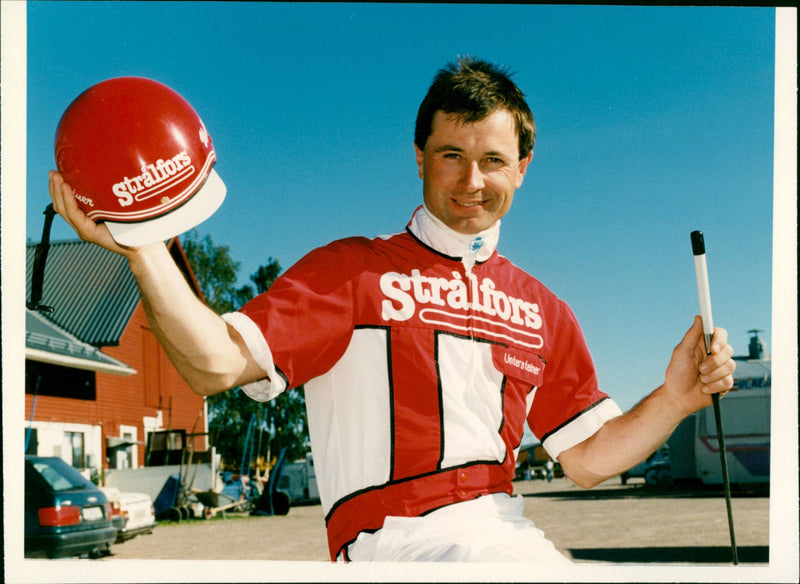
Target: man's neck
[[469, 248]]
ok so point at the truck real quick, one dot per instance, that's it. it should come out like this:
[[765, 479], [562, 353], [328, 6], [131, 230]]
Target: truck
[[299, 482]]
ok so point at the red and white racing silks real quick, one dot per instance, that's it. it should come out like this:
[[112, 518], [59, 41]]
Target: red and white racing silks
[[422, 355]]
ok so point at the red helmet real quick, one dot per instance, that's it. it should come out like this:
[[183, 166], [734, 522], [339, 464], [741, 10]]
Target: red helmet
[[138, 158]]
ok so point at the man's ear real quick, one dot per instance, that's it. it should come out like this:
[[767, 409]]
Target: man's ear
[[523, 167], [420, 156]]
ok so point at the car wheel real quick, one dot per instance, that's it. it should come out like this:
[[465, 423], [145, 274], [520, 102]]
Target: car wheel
[[172, 514], [280, 503], [664, 477], [100, 552]]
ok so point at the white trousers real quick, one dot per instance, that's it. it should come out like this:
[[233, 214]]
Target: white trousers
[[491, 528]]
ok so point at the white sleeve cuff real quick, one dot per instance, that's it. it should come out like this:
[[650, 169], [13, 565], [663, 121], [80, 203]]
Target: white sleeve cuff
[[264, 389], [580, 427]]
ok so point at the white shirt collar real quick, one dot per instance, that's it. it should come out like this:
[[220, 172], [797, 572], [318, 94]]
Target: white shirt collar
[[469, 248]]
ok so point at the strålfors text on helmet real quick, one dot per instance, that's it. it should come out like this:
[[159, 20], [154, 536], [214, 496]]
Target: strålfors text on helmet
[[155, 178]]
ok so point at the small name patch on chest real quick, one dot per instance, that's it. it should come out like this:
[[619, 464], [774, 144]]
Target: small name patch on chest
[[523, 365]]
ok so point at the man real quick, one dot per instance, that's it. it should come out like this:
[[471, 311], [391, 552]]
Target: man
[[424, 353]]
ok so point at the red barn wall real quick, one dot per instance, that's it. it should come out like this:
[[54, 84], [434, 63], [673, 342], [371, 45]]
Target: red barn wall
[[127, 400]]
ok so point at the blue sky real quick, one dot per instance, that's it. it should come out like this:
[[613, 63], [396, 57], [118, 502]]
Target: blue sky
[[652, 122]]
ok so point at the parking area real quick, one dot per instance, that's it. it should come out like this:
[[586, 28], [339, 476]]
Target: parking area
[[612, 523]]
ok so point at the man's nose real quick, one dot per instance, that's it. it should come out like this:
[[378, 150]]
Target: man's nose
[[472, 177]]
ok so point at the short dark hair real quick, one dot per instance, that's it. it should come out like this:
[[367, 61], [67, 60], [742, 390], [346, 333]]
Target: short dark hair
[[473, 89]]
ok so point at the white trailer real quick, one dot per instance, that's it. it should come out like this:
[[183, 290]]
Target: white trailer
[[693, 447], [299, 481]]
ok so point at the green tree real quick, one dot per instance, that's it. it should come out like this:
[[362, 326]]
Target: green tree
[[216, 272], [279, 423]]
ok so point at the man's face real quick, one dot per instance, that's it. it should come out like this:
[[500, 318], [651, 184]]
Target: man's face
[[469, 171]]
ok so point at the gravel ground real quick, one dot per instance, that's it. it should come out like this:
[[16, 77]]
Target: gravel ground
[[611, 533], [612, 523]]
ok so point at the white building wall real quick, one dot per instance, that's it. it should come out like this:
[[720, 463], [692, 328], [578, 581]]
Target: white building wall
[[54, 440]]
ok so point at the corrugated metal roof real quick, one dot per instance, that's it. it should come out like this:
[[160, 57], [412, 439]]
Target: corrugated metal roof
[[91, 289], [47, 342]]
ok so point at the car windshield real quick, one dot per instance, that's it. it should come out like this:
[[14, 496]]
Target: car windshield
[[59, 479]]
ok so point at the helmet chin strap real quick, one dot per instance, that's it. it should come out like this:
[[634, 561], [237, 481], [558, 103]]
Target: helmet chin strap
[[37, 278]]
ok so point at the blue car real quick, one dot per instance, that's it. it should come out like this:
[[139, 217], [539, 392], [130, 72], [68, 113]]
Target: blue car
[[65, 513], [656, 470]]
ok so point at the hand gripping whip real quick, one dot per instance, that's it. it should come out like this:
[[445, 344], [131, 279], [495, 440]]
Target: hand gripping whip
[[699, 251]]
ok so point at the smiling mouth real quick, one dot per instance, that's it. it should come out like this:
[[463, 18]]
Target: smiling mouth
[[468, 204]]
